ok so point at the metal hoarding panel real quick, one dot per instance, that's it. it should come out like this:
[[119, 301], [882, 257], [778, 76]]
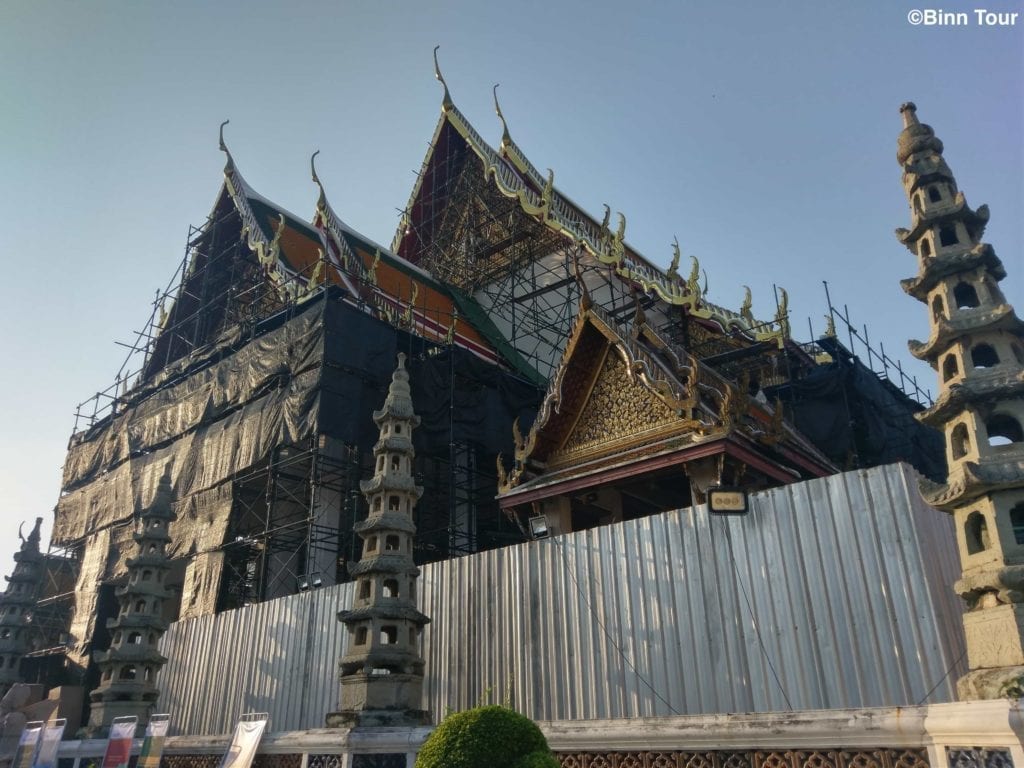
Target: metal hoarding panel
[[831, 593]]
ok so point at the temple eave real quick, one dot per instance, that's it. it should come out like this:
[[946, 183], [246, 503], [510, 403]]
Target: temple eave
[[986, 387], [384, 610], [967, 322], [944, 266], [990, 475]]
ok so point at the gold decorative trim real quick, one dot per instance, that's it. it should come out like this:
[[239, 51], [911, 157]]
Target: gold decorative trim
[[598, 241], [745, 310], [642, 370], [673, 269], [561, 459], [506, 138], [284, 279], [449, 337], [447, 102], [371, 274], [782, 313], [333, 229]]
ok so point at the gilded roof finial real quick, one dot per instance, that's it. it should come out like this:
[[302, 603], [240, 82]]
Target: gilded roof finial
[[639, 317], [322, 201], [506, 137], [316, 276], [372, 275], [693, 281], [605, 232], [830, 326], [673, 268], [548, 193], [502, 473], [782, 313], [585, 301], [746, 311], [230, 166], [449, 337], [447, 103]]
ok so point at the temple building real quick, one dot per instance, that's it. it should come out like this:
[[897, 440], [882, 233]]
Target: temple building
[[565, 386], [977, 347]]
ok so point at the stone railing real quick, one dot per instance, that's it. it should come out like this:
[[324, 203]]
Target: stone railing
[[977, 734]]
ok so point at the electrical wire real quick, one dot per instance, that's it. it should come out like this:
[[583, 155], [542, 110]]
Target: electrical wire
[[750, 612], [943, 678], [558, 547]]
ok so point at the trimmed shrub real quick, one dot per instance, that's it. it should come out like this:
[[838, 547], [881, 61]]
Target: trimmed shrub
[[486, 737]]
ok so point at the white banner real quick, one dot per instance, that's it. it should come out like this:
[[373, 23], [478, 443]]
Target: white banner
[[46, 755], [245, 742]]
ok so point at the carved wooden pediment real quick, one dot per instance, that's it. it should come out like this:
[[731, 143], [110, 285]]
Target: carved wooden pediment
[[619, 412]]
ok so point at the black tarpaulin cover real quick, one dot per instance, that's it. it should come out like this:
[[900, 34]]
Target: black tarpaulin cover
[[224, 409], [857, 420]]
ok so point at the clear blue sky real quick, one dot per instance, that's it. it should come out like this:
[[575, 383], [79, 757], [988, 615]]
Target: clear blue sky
[[761, 134]]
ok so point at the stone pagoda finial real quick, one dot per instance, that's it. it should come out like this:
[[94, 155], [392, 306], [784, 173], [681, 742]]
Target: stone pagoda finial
[[382, 671], [976, 345], [16, 606], [128, 669], [909, 111]]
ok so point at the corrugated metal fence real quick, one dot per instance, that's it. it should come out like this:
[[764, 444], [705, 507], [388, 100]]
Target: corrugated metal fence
[[830, 593]]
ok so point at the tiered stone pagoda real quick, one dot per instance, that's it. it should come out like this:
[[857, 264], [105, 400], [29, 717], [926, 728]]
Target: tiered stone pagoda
[[128, 669], [382, 672], [16, 605], [977, 347]]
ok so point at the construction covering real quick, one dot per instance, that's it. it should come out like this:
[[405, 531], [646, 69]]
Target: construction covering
[[226, 406], [314, 372], [859, 419]]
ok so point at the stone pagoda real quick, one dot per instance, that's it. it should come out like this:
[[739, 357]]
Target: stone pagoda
[[977, 347], [16, 606], [128, 669], [382, 672]]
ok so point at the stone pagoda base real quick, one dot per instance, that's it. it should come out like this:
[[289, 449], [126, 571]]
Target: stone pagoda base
[[999, 683], [378, 718], [102, 713], [379, 701]]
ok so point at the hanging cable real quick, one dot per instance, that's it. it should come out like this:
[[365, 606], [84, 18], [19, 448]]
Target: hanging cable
[[943, 678], [753, 620], [557, 541]]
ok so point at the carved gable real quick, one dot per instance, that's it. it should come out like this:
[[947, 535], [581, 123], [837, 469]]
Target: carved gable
[[619, 412]]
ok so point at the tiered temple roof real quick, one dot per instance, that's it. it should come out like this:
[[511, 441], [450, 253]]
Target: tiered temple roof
[[478, 214]]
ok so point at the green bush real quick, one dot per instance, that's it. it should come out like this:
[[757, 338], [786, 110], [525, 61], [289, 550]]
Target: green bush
[[486, 737]]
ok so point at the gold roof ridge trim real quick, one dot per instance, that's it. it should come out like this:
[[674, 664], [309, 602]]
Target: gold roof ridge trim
[[334, 229], [322, 199], [506, 137], [511, 151], [267, 250], [447, 102], [607, 247]]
